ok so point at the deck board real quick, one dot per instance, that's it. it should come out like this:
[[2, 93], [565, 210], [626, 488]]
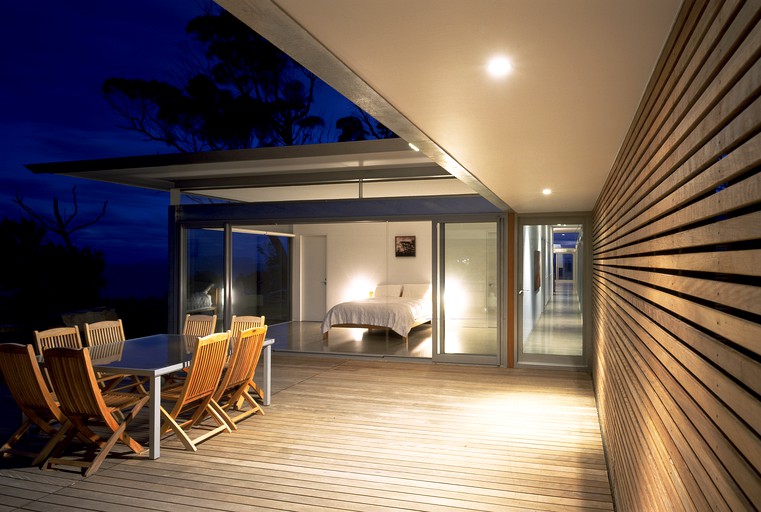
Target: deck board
[[352, 434]]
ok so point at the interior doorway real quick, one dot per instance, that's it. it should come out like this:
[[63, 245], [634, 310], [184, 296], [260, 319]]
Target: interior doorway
[[314, 279], [551, 300]]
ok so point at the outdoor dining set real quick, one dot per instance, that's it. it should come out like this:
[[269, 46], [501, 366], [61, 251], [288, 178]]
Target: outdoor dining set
[[84, 396]]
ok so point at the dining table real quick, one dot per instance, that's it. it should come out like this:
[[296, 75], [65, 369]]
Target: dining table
[[155, 356]]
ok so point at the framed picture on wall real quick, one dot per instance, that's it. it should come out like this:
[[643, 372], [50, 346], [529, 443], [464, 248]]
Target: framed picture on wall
[[404, 246]]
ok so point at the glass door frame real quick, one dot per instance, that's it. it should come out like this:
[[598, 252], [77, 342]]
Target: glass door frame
[[437, 321], [523, 360], [178, 267]]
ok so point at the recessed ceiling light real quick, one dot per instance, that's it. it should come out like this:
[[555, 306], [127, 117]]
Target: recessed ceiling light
[[547, 191], [499, 66], [413, 147]]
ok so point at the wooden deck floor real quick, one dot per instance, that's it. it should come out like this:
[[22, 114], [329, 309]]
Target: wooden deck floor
[[366, 436]]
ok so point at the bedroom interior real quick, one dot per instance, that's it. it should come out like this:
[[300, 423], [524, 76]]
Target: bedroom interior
[[331, 263], [362, 255]]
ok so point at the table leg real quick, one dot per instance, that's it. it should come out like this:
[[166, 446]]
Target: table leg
[[154, 420], [267, 386]]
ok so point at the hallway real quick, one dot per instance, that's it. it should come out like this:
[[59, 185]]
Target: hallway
[[558, 331]]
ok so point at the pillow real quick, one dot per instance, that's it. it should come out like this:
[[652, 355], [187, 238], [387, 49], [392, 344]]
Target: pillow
[[416, 291], [388, 290]]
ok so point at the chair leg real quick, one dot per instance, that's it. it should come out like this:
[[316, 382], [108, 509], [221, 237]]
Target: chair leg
[[178, 431], [18, 434], [56, 445], [222, 424], [76, 426], [221, 416], [253, 410], [124, 437], [31, 418], [94, 465], [259, 391], [253, 403], [242, 396]]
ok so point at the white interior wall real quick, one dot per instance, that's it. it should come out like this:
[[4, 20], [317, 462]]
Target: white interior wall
[[548, 283], [361, 255], [531, 299]]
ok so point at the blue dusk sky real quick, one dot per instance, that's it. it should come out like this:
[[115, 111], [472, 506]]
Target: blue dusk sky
[[56, 56]]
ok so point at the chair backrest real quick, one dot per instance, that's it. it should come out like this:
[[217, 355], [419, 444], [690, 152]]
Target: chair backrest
[[199, 325], [243, 361], [107, 331], [206, 367], [57, 337], [74, 382], [25, 382], [241, 323]]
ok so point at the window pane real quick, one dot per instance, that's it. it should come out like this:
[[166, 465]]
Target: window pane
[[261, 276], [205, 273], [470, 288]]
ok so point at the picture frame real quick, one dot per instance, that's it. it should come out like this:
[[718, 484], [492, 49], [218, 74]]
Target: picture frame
[[404, 246]]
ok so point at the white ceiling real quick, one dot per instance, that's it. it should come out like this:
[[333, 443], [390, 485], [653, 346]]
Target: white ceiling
[[557, 121]]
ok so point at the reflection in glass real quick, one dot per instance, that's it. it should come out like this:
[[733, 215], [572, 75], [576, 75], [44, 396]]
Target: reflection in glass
[[204, 279], [470, 288], [261, 276]]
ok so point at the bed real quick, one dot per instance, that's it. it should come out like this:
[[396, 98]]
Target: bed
[[203, 299], [398, 307]]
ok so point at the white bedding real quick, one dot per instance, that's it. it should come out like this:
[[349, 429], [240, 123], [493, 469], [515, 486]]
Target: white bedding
[[399, 314]]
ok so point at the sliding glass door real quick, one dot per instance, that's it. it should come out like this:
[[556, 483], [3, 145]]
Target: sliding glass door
[[468, 306], [204, 279], [261, 277], [248, 273]]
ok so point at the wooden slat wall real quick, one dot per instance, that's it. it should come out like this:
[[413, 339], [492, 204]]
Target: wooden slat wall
[[677, 275]]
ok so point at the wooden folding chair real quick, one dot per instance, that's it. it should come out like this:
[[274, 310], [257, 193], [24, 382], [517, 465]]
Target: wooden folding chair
[[241, 323], [83, 403], [239, 376], [26, 384], [195, 325], [106, 331], [107, 335], [56, 337], [196, 394], [199, 325]]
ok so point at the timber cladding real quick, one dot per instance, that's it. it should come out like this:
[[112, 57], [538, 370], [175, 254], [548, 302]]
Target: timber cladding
[[677, 275]]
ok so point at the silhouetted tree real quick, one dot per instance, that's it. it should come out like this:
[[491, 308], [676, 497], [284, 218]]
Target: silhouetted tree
[[61, 223], [361, 126], [244, 93]]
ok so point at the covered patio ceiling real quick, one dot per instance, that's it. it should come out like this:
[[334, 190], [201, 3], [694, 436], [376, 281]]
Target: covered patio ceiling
[[580, 69]]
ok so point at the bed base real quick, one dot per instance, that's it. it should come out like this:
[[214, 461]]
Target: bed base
[[371, 327]]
